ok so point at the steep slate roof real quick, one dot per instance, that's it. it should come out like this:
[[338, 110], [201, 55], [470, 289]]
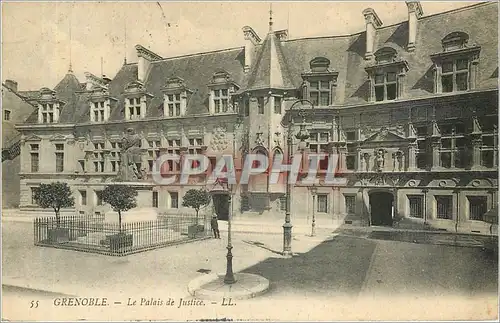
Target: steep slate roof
[[20, 110], [279, 64], [270, 69], [66, 91], [197, 71]]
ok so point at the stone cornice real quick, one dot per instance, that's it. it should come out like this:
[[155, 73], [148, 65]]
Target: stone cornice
[[146, 53], [416, 7], [250, 34], [372, 17]]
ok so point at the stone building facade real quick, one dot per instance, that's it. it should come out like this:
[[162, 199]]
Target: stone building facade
[[411, 110]]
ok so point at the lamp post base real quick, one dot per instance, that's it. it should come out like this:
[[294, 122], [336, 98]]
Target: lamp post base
[[287, 239], [229, 278]]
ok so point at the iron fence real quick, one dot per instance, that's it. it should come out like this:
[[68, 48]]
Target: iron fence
[[98, 236]]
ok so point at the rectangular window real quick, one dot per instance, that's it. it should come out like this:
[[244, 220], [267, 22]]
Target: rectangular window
[[6, 115], [221, 100], [350, 162], [34, 191], [455, 75], [319, 92], [98, 111], [48, 113], [477, 207], [416, 203], [155, 199], [322, 206], [174, 200], [59, 162], [350, 204], [277, 105], [444, 207], [385, 86], [173, 104], [260, 104], [135, 108], [35, 162], [83, 197], [350, 135]]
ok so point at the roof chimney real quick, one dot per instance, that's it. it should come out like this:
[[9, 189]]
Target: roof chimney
[[414, 13], [145, 58], [372, 23], [251, 40], [12, 85]]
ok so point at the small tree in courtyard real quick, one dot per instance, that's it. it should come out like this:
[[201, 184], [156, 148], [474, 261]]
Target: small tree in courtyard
[[196, 199], [56, 196], [121, 198]]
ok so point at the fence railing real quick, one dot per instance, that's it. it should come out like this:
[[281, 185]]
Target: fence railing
[[97, 236]]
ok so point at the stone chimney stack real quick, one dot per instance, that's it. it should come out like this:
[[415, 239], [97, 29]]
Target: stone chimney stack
[[145, 58], [251, 40], [414, 13], [372, 23], [12, 85]]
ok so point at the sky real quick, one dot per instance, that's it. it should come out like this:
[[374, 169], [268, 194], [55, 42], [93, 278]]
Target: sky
[[38, 39]]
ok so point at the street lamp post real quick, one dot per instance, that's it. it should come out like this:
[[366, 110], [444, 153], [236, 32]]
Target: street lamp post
[[222, 194], [314, 190], [302, 135]]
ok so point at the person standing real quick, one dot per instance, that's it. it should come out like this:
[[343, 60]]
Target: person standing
[[215, 227]]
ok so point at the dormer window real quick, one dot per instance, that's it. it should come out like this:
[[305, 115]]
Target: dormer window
[[455, 68], [221, 100], [136, 101], [387, 75], [134, 108], [176, 95], [98, 111], [320, 82], [100, 102], [48, 106], [173, 104], [221, 87]]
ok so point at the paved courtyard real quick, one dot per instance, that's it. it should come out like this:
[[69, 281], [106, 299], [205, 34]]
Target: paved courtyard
[[339, 275]]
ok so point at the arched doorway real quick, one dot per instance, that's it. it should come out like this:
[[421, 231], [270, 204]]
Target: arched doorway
[[381, 208]]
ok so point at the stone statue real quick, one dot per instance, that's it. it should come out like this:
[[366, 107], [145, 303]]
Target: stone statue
[[130, 156], [380, 160]]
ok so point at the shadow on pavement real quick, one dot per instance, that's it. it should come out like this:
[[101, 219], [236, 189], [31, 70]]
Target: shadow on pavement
[[261, 245], [336, 266]]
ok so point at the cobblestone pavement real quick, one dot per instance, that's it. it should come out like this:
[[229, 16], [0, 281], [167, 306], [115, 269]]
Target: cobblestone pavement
[[333, 276]]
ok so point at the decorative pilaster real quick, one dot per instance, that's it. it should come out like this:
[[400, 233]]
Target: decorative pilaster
[[40, 117], [436, 146], [372, 23], [412, 156], [473, 71], [401, 82], [107, 109], [56, 112], [143, 107], [477, 142], [91, 109], [359, 160], [127, 110]]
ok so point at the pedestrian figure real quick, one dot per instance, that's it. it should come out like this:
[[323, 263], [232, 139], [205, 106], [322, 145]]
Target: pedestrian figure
[[215, 227]]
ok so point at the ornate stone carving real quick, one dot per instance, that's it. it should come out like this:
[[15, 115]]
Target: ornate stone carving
[[259, 141], [380, 159], [277, 138], [219, 140]]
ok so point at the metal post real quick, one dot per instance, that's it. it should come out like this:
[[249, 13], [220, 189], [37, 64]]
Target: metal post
[[229, 278], [287, 226], [313, 226]]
